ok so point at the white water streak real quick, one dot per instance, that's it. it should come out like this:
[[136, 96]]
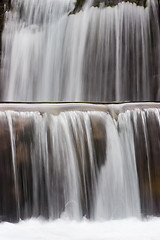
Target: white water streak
[[117, 194]]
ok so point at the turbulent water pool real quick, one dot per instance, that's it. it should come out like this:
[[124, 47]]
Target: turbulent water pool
[[128, 229]]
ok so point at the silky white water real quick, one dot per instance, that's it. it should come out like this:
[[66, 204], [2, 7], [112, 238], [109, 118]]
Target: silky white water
[[92, 175], [97, 54], [80, 164], [80, 174], [66, 176]]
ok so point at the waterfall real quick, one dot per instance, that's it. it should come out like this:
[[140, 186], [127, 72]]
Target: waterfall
[[80, 164], [77, 164], [118, 177], [96, 54]]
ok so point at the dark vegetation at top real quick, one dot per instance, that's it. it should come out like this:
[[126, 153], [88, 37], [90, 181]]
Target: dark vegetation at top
[[106, 3]]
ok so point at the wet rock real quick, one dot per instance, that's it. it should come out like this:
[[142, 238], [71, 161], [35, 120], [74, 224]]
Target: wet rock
[[5, 5], [105, 3], [1, 20]]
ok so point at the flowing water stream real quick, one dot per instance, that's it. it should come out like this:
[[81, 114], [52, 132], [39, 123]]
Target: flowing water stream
[[97, 54], [81, 164], [80, 171], [89, 169]]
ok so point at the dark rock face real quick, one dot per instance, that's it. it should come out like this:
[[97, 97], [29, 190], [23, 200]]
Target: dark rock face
[[1, 20], [5, 5], [105, 3]]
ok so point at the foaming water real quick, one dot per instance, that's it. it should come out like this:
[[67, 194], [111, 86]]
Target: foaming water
[[129, 229], [98, 54]]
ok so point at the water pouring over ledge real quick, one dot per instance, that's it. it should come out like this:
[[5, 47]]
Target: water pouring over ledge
[[79, 160], [97, 163], [97, 54]]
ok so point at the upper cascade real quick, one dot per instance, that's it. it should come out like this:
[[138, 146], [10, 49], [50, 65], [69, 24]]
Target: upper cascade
[[97, 54]]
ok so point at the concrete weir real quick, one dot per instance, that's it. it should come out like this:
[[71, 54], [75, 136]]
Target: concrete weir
[[55, 108]]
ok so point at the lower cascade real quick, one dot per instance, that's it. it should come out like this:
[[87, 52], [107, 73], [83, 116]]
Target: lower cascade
[[100, 163]]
